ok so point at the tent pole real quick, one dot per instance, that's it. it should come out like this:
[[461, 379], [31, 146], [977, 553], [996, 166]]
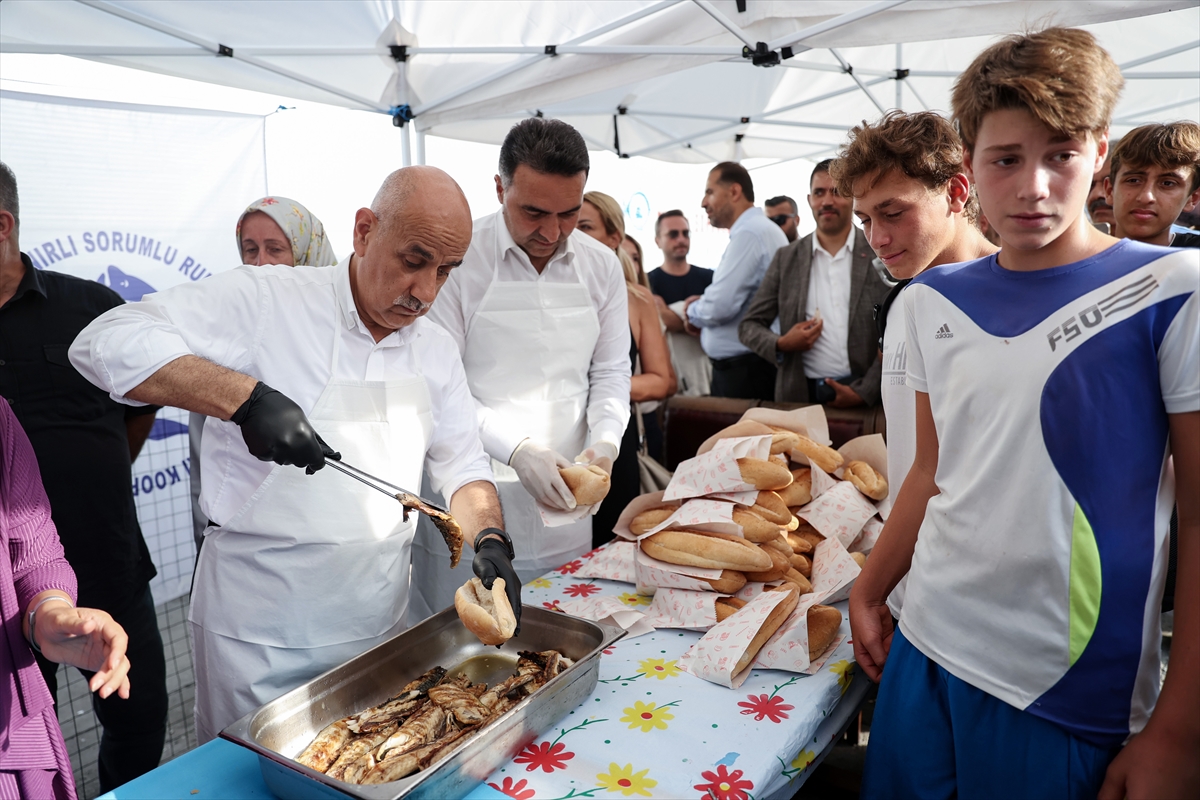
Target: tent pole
[[1144, 112], [858, 80], [794, 39], [420, 134], [899, 80], [222, 50], [679, 139], [913, 89], [1137, 62], [405, 148], [726, 23], [425, 108]]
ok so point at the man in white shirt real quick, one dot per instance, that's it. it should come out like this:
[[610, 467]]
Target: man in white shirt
[[822, 288], [753, 241], [539, 313], [300, 572]]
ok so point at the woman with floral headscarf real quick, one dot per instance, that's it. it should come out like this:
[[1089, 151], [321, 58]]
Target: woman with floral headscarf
[[272, 230], [277, 230]]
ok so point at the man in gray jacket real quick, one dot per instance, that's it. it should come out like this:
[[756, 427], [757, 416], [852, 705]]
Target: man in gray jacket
[[823, 288]]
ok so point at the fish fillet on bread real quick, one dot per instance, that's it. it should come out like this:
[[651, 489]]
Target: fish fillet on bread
[[487, 614]]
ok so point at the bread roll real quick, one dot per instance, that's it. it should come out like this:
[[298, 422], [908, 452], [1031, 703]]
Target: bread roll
[[779, 543], [589, 484], [779, 567], [778, 458], [799, 493], [745, 427], [799, 544], [728, 606], [859, 558], [776, 618], [824, 457], [784, 442], [866, 479], [486, 614], [754, 527], [771, 507], [801, 582], [708, 550], [793, 523], [810, 534], [823, 624], [764, 474], [801, 564], [730, 581], [650, 519]]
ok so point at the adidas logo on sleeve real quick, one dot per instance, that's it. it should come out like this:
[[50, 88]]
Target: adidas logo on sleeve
[[944, 332]]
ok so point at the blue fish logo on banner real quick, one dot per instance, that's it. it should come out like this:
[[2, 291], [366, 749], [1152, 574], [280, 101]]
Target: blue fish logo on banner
[[130, 288], [166, 428]]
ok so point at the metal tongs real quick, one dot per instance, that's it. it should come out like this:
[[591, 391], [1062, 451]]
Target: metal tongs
[[408, 500]]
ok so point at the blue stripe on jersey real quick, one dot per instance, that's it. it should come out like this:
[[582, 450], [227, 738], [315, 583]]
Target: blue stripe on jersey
[[1006, 303], [1105, 428]]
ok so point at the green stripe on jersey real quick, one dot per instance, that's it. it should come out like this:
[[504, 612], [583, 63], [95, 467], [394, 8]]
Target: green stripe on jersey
[[1085, 584]]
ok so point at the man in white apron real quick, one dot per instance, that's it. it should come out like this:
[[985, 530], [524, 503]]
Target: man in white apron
[[299, 571], [539, 314]]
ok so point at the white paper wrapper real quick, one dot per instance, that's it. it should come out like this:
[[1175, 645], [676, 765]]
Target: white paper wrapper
[[741, 498], [865, 542], [715, 656], [679, 608], [553, 518], [833, 572], [839, 513], [701, 514], [609, 610], [872, 450], [635, 507], [751, 590], [717, 470], [652, 574], [823, 659], [808, 421], [613, 562], [822, 481]]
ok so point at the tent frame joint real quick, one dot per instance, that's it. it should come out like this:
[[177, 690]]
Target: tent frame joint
[[402, 115], [399, 52], [551, 50], [761, 55], [225, 51], [900, 74]]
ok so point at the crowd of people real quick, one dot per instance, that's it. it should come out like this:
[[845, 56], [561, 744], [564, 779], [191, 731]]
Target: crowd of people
[[1017, 294]]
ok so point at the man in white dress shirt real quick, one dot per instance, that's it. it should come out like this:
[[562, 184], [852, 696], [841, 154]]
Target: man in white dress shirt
[[539, 313], [753, 239], [299, 571]]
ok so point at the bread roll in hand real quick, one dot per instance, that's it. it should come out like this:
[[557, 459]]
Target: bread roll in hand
[[487, 614], [589, 484]]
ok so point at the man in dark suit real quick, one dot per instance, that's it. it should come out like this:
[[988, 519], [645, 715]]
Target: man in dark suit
[[823, 289]]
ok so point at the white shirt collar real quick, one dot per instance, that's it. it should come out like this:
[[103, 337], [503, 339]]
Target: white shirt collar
[[745, 217], [506, 243], [349, 312], [843, 250]]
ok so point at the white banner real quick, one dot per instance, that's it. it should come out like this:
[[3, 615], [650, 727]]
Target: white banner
[[139, 198]]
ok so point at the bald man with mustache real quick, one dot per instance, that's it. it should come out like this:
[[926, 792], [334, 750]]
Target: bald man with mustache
[[303, 568]]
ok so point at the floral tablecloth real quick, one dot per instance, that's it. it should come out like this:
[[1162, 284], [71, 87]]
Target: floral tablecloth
[[652, 730]]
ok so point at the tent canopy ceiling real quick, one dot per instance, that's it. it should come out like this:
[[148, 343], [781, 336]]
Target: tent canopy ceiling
[[669, 79]]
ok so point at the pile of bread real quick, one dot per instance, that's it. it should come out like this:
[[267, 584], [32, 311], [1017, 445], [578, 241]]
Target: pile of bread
[[776, 547]]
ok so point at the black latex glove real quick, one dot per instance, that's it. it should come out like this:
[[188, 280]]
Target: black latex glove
[[492, 561], [275, 429]]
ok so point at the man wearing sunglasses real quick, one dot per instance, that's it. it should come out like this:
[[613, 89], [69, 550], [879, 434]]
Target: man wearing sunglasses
[[784, 212], [673, 284]]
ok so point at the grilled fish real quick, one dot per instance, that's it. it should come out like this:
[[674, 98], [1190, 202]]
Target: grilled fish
[[446, 524], [324, 749], [420, 729], [398, 708], [359, 750], [359, 769], [393, 769], [462, 703]]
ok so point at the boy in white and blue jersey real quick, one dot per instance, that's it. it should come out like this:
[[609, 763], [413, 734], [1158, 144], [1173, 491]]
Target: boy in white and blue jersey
[[1054, 382]]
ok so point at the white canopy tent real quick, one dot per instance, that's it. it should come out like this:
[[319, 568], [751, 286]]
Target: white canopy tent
[[680, 80]]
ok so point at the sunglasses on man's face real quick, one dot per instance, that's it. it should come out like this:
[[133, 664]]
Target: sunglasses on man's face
[[781, 219], [675, 234]]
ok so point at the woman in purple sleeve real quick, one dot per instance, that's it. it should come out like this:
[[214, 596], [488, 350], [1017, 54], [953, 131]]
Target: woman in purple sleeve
[[37, 599]]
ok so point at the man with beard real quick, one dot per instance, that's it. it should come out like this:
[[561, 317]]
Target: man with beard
[[1100, 211], [823, 290]]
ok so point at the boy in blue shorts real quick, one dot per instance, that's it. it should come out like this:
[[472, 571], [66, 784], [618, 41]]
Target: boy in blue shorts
[[1057, 409]]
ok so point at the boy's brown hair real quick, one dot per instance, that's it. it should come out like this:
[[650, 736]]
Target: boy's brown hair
[[1060, 75], [922, 145], [1171, 145]]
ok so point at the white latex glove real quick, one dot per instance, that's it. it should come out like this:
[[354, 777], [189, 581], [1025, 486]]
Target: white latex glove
[[537, 468]]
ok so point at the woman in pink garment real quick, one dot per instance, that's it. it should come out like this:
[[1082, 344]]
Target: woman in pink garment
[[37, 585]]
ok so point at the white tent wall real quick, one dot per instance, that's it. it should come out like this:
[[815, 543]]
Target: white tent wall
[[135, 197]]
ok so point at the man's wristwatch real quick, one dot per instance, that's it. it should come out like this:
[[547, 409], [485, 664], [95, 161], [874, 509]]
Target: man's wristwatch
[[503, 536]]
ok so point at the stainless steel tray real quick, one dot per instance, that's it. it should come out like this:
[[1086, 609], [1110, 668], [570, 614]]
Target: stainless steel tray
[[279, 730]]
